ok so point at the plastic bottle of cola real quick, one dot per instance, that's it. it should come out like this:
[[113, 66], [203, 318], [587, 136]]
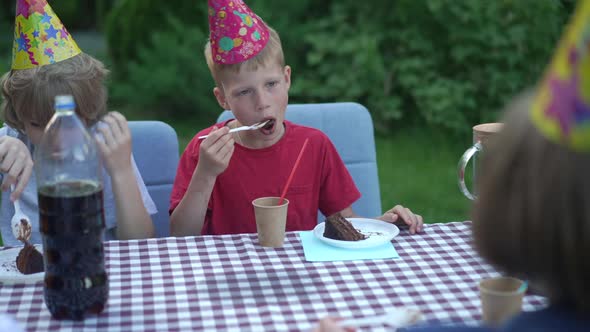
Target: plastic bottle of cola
[[71, 216]]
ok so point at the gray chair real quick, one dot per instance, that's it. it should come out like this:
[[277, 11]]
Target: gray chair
[[350, 127], [155, 149]]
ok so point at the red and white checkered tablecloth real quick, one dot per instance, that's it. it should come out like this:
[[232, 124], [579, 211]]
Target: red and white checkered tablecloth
[[230, 283]]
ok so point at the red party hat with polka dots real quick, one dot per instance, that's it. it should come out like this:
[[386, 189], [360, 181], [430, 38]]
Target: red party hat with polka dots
[[236, 33]]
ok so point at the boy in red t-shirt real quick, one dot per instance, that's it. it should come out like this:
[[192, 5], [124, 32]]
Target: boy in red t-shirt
[[219, 176]]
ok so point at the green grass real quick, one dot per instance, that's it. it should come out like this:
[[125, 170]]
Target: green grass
[[417, 168]]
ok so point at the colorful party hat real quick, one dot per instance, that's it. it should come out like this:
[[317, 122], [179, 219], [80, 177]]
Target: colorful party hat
[[39, 36], [236, 33], [561, 109]]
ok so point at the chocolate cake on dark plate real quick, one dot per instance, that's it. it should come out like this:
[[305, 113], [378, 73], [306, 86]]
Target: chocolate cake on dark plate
[[338, 228]]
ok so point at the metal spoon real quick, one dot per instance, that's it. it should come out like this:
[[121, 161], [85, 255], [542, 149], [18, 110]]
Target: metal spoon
[[252, 127]]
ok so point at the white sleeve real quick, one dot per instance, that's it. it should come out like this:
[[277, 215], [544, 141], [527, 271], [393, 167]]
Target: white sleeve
[[149, 204]]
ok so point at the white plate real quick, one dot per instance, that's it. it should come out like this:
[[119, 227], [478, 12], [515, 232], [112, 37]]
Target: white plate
[[377, 232], [10, 275]]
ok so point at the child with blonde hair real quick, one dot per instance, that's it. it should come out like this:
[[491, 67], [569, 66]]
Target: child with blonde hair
[[219, 176], [46, 63]]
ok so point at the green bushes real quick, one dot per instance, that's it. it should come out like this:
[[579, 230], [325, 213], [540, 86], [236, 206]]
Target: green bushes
[[131, 23], [170, 77], [6, 45], [81, 15], [156, 49], [446, 63]]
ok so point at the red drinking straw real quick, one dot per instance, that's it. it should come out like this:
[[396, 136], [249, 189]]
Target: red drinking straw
[[292, 172]]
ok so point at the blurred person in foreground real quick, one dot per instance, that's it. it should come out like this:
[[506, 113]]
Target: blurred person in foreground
[[532, 217]]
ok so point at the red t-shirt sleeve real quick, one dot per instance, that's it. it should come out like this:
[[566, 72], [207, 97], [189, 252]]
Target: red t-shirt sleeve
[[184, 173], [337, 190], [186, 167]]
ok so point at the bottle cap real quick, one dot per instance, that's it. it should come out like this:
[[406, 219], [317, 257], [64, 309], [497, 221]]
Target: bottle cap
[[64, 102]]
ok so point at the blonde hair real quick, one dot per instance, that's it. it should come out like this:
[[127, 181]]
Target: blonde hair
[[532, 217], [272, 52], [29, 93]]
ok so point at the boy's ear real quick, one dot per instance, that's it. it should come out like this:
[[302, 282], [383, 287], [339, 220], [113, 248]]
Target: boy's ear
[[287, 74], [220, 96]]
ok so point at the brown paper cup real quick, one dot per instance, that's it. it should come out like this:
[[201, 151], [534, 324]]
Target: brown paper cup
[[482, 132], [271, 220], [501, 299]]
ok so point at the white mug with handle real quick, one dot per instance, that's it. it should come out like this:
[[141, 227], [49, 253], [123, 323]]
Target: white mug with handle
[[481, 133]]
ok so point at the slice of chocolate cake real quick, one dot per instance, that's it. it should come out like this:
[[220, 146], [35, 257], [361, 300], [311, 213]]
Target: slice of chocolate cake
[[338, 228], [29, 260]]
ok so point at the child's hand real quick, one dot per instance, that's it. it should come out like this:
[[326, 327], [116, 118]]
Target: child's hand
[[402, 215], [329, 324], [115, 149], [215, 151], [16, 164]]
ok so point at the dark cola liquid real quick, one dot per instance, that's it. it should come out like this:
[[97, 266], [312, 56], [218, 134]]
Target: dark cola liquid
[[71, 221]]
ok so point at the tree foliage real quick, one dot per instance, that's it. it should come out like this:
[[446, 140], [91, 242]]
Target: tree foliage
[[449, 63], [446, 63], [169, 75], [131, 23]]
